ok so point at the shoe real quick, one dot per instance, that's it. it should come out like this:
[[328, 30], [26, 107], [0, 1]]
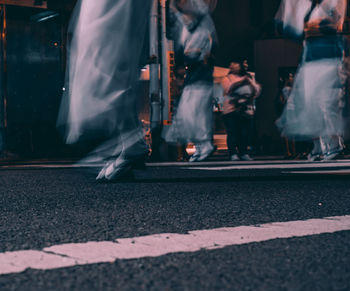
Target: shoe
[[121, 167], [313, 157], [332, 155], [246, 157], [206, 153], [194, 157], [234, 158], [101, 174]]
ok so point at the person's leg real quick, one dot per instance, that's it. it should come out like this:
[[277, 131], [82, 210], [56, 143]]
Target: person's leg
[[244, 129], [286, 142], [318, 149], [235, 136], [120, 57], [230, 131], [195, 115], [334, 146], [131, 150], [293, 147]]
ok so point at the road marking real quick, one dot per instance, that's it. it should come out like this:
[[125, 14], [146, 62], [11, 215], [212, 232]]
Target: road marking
[[73, 254]]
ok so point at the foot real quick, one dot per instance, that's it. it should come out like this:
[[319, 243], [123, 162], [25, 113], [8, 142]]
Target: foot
[[206, 152], [121, 167], [313, 157], [331, 155], [234, 158], [101, 174], [118, 169], [194, 157], [246, 157]]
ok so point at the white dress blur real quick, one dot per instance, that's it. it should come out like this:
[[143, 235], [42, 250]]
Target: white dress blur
[[105, 45], [193, 121], [314, 107]]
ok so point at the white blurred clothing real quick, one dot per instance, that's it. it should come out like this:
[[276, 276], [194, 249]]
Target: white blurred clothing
[[106, 42], [291, 14], [193, 121], [194, 117], [314, 107]]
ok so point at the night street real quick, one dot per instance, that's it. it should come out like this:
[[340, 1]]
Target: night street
[[174, 145], [59, 210]]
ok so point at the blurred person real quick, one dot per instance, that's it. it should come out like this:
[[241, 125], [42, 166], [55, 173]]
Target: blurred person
[[196, 38], [178, 85], [104, 53], [281, 101], [240, 91], [252, 129], [314, 108]]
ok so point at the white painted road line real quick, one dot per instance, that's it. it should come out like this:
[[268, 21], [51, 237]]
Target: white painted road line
[[73, 254]]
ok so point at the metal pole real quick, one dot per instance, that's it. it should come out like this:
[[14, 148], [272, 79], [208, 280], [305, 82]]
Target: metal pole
[[155, 110], [3, 93], [165, 69], [154, 89]]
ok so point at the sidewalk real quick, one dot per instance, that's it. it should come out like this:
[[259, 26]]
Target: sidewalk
[[220, 158]]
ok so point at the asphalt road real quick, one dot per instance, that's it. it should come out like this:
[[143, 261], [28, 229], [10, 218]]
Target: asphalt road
[[41, 207]]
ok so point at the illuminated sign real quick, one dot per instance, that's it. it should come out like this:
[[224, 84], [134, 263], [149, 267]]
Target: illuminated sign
[[26, 3]]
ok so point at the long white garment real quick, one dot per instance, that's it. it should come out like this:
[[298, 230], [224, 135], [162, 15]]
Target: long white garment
[[315, 105], [194, 117], [314, 108], [194, 114], [106, 42]]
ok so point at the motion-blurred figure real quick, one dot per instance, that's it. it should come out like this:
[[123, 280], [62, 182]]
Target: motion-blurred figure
[[314, 108], [196, 38], [103, 65], [178, 85], [280, 103]]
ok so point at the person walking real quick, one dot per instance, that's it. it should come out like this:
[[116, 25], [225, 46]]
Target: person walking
[[193, 122], [314, 107], [104, 55]]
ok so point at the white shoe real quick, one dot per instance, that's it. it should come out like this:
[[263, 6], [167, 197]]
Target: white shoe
[[313, 157], [246, 157], [194, 157], [331, 155], [101, 174], [206, 152], [120, 167], [234, 158]]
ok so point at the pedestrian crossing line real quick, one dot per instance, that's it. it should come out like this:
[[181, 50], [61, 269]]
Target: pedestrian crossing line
[[74, 254]]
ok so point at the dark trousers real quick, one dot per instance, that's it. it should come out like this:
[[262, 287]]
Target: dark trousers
[[238, 130]]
